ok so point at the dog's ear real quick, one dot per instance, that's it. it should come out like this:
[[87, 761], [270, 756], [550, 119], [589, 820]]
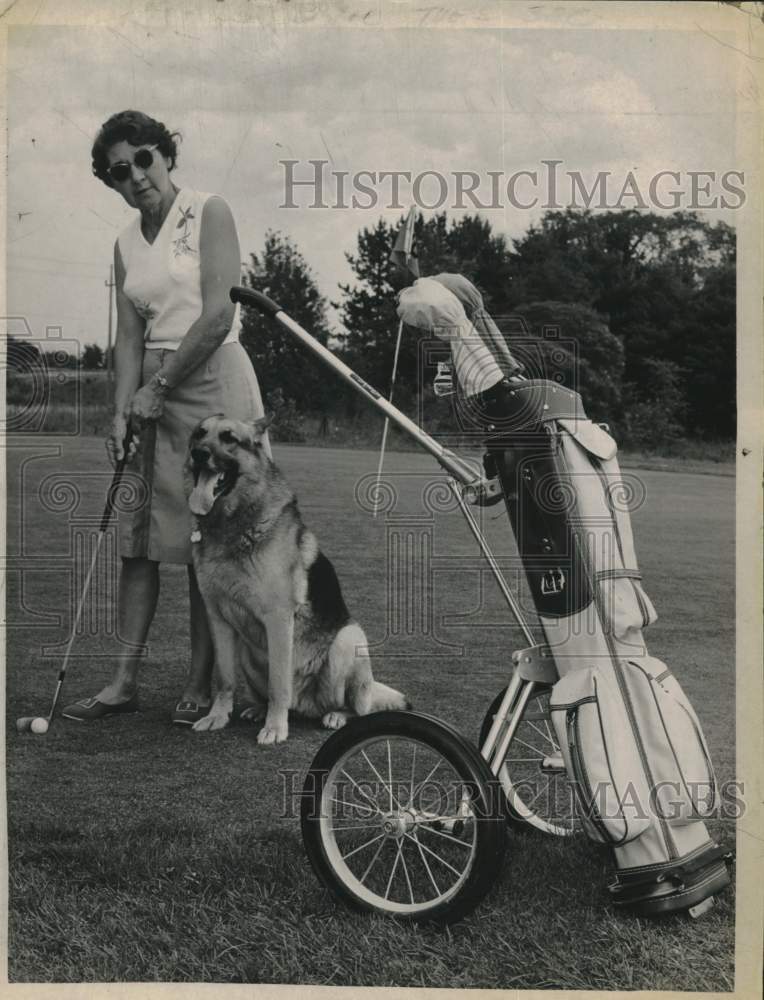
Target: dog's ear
[[261, 425]]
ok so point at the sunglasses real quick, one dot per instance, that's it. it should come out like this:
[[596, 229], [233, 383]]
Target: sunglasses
[[143, 159]]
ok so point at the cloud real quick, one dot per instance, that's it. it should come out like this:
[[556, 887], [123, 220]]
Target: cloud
[[404, 99]]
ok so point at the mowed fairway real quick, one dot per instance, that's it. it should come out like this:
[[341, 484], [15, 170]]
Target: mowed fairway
[[140, 852]]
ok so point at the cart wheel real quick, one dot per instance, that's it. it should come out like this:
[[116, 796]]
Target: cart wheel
[[400, 815], [533, 774]]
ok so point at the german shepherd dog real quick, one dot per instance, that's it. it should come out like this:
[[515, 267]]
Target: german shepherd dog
[[273, 599]]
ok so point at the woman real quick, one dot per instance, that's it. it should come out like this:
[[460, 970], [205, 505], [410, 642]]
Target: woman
[[177, 359]]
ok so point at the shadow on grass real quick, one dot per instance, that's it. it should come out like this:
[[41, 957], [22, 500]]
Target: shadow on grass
[[183, 902]]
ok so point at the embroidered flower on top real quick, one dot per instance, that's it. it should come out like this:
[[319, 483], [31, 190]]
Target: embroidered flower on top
[[144, 309], [182, 245]]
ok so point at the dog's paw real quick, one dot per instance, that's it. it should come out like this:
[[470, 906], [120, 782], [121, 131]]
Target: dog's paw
[[211, 722], [273, 733], [334, 720], [252, 713]]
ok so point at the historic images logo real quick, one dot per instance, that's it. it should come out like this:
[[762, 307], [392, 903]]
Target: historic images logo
[[312, 185]]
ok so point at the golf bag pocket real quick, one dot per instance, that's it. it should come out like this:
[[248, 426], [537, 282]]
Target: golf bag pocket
[[604, 500], [592, 438], [682, 775], [625, 607], [601, 756]]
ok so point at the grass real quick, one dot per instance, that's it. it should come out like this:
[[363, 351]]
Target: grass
[[176, 902], [80, 402], [139, 852]]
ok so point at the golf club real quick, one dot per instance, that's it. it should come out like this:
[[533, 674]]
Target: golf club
[[40, 724]]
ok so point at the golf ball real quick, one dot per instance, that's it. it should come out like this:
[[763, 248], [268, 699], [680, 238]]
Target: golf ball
[[39, 726]]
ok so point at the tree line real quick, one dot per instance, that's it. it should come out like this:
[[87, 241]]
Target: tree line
[[25, 357], [635, 310]]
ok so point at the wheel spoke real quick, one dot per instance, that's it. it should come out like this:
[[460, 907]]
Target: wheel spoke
[[381, 779], [372, 862], [436, 856], [439, 819], [550, 736], [424, 782], [406, 873], [390, 775], [356, 826], [413, 768], [448, 836], [392, 873], [366, 844], [529, 746], [368, 798], [543, 735], [427, 866], [350, 805], [530, 803]]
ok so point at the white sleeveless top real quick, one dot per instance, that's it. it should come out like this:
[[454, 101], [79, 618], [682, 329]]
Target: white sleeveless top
[[162, 279]]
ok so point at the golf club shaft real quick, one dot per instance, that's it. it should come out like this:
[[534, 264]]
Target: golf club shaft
[[387, 419], [504, 587], [75, 626], [108, 510]]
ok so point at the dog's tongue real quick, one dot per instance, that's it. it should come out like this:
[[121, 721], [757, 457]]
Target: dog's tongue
[[203, 495]]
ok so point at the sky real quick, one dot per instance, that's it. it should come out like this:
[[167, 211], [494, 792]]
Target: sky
[[398, 99]]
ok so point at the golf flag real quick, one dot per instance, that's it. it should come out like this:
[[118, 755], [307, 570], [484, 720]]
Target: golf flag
[[403, 253]]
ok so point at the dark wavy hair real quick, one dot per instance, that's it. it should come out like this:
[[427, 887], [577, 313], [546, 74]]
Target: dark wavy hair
[[139, 130]]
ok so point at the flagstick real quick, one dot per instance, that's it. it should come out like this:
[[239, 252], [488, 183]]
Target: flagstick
[[387, 419]]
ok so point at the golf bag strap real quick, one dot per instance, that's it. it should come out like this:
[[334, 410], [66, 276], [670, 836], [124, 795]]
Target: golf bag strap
[[632, 882], [618, 574]]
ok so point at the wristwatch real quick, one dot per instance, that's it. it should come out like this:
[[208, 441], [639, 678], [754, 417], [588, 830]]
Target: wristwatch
[[162, 382]]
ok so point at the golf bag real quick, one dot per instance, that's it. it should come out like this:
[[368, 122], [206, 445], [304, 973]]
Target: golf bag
[[633, 748]]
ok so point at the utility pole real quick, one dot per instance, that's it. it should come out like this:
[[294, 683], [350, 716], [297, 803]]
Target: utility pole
[[109, 361]]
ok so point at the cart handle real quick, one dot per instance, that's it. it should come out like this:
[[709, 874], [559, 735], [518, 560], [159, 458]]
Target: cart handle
[[251, 297], [461, 470]]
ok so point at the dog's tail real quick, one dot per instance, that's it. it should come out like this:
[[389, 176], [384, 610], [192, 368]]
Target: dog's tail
[[385, 698], [364, 694]]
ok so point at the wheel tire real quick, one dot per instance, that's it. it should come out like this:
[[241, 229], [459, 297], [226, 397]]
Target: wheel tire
[[518, 814], [483, 821]]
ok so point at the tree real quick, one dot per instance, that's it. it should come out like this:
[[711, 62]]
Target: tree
[[280, 361], [92, 357], [572, 344], [368, 312], [665, 286], [605, 259], [646, 297], [709, 360], [21, 356], [654, 411]]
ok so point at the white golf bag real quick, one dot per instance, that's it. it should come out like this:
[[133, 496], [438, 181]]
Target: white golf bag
[[633, 748]]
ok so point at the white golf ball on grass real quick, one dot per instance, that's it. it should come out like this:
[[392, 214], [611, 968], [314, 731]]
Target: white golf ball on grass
[[39, 726]]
